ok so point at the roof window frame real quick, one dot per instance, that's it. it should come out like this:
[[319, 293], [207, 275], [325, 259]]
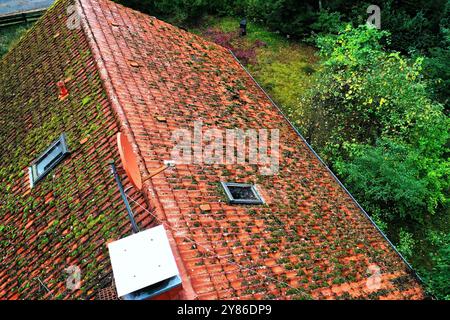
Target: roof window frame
[[35, 177], [258, 198]]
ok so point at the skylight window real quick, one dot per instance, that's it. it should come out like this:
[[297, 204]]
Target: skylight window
[[49, 159], [240, 193]]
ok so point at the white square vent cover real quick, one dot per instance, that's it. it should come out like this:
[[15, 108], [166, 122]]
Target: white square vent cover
[[141, 260]]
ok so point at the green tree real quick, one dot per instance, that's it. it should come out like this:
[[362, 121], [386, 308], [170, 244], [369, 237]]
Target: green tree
[[437, 69], [394, 180], [371, 118], [438, 278], [175, 11]]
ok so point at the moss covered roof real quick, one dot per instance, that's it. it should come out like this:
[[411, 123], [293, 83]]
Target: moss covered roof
[[70, 215], [125, 71]]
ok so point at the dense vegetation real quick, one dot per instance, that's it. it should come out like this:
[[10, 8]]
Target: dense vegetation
[[383, 95], [382, 131], [417, 27], [11, 35], [387, 139]]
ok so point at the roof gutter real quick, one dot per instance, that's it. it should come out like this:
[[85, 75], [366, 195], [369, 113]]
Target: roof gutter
[[334, 176]]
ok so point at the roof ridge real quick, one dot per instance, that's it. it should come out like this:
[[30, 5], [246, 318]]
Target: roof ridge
[[124, 123]]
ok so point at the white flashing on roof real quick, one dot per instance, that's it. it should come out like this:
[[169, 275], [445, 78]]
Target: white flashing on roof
[[141, 260]]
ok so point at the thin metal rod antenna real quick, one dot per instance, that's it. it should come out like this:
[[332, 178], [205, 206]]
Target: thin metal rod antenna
[[124, 197], [42, 284]]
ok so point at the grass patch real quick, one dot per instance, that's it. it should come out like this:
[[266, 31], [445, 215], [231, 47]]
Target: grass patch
[[286, 73], [284, 68], [254, 31], [10, 35]]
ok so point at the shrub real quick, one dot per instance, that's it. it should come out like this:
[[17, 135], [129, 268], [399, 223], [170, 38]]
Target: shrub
[[438, 278], [437, 69], [406, 244], [243, 51], [327, 22], [382, 133]]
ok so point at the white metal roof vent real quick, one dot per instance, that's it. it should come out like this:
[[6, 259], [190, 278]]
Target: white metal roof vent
[[143, 265]]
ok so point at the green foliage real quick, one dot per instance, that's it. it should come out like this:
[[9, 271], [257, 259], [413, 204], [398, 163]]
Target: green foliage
[[389, 180], [406, 244], [414, 24], [175, 11], [287, 16], [365, 92], [438, 278], [10, 36], [437, 69], [371, 117], [376, 217], [327, 22], [413, 27]]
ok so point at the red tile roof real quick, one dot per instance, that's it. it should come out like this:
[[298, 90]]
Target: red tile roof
[[69, 216], [311, 240], [311, 229]]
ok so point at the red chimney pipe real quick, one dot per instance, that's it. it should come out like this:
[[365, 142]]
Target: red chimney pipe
[[63, 90]]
